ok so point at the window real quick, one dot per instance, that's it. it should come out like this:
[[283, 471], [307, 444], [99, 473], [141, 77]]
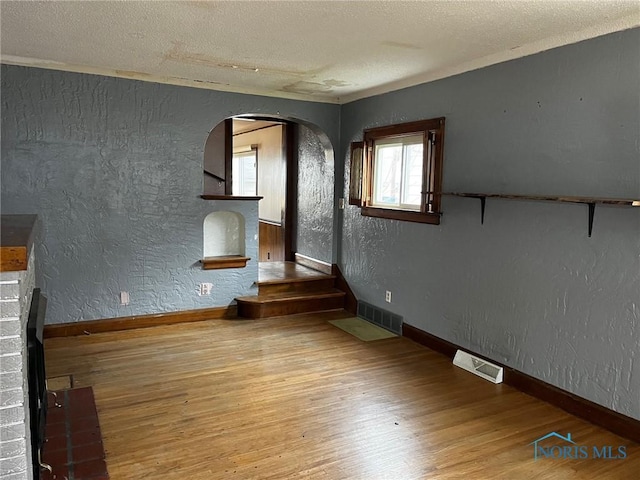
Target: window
[[397, 179], [244, 172], [398, 173]]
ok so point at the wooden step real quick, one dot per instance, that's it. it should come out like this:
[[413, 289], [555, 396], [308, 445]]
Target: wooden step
[[289, 303], [299, 285]]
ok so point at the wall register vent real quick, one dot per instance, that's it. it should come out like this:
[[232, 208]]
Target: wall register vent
[[382, 318], [478, 366]]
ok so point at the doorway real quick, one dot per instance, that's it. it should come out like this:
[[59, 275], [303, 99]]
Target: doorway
[[256, 157], [293, 179], [259, 168]]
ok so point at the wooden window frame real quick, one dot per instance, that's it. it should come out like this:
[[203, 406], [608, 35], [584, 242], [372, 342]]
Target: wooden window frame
[[355, 173], [433, 152]]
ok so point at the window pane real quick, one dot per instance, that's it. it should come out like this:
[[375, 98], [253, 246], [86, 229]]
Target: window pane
[[412, 187], [244, 174], [387, 175], [397, 174]]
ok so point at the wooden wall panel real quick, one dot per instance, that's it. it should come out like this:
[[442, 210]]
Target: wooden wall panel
[[217, 160], [271, 242]]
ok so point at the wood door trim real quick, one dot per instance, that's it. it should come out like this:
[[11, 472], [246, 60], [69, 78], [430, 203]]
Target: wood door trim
[[290, 132], [350, 300], [228, 156], [318, 265]]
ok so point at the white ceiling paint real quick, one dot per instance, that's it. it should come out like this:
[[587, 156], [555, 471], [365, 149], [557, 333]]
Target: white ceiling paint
[[327, 51]]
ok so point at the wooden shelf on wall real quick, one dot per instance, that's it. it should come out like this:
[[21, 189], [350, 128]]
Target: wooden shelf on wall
[[224, 261], [591, 202], [550, 198], [228, 197]]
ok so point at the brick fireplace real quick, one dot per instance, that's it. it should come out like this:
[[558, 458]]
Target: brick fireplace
[[17, 282]]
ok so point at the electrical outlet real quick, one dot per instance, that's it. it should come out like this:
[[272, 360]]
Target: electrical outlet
[[341, 203], [124, 298], [387, 296], [205, 289]]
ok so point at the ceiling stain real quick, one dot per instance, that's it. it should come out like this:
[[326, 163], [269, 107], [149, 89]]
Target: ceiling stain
[[205, 82], [132, 74], [310, 88], [145, 76], [177, 53], [406, 46], [336, 83]]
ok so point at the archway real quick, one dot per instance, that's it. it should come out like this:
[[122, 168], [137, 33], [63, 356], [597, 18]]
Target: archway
[[295, 180]]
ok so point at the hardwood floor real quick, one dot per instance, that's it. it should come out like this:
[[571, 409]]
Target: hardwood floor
[[295, 397], [275, 272]]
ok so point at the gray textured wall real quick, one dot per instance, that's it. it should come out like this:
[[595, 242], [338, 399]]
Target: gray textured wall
[[315, 197], [528, 288], [113, 168]]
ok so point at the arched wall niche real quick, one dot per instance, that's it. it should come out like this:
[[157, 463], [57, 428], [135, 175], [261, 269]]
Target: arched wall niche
[[224, 240]]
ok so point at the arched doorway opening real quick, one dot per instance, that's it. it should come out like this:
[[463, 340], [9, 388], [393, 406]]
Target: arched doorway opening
[[289, 165]]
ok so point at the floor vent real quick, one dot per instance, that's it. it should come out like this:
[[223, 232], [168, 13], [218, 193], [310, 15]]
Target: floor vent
[[480, 367], [382, 318]]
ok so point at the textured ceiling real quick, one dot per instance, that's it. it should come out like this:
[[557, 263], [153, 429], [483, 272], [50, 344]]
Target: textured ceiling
[[329, 51]]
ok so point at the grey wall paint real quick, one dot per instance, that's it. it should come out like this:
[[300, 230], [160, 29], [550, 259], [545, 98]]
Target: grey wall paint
[[315, 197], [528, 288], [113, 168]]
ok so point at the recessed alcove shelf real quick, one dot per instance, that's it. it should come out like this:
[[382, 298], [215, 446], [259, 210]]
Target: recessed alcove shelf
[[224, 261], [591, 202], [224, 241]]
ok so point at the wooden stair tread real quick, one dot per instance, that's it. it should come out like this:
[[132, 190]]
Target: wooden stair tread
[[286, 288], [291, 296], [277, 281]]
